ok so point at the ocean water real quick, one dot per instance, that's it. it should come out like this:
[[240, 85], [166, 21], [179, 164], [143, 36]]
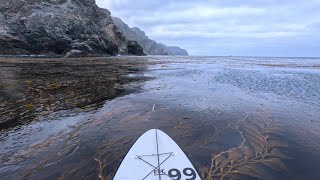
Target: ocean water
[[235, 118]]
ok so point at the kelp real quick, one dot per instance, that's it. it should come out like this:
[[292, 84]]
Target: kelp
[[254, 157]]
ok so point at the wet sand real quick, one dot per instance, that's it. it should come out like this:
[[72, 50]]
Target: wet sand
[[236, 118]]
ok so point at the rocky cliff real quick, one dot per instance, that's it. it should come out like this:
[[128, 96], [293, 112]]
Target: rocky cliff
[[150, 47], [59, 27]]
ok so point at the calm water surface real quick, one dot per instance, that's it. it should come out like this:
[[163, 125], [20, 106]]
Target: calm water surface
[[235, 117]]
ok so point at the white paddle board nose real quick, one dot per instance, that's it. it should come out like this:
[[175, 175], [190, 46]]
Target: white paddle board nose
[[156, 157]]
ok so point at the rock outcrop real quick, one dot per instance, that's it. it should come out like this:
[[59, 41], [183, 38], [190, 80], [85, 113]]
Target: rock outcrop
[[150, 47], [60, 27]]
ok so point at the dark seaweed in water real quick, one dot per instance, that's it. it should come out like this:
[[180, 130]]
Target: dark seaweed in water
[[236, 118], [33, 88]]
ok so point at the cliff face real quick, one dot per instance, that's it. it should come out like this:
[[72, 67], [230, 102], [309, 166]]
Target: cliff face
[[59, 27], [150, 47]]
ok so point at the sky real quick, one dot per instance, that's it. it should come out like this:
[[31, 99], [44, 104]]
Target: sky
[[223, 28]]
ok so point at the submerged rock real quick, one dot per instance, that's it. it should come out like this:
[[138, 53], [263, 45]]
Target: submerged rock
[[57, 27], [149, 46]]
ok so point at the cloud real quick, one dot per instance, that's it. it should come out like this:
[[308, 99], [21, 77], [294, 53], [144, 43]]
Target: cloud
[[218, 27]]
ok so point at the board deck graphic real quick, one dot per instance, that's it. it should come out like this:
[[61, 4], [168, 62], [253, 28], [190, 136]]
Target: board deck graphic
[[155, 156]]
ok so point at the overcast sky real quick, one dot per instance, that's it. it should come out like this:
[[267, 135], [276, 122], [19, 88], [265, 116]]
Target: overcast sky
[[222, 27]]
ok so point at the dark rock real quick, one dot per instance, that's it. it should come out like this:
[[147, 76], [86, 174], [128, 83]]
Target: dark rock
[[57, 27], [135, 49], [82, 46], [149, 46]]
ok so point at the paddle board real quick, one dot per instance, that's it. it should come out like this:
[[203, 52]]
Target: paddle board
[[155, 156]]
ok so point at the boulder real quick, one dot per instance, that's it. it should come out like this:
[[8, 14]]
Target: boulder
[[135, 49]]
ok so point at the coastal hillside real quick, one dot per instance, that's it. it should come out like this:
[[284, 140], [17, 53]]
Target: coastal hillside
[[150, 47], [69, 28]]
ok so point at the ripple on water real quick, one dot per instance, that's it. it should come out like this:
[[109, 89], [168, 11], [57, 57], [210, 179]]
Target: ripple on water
[[234, 118]]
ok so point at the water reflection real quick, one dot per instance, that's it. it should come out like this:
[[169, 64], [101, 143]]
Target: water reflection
[[232, 124]]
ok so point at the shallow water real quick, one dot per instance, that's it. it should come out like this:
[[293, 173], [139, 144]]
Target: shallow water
[[235, 117]]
